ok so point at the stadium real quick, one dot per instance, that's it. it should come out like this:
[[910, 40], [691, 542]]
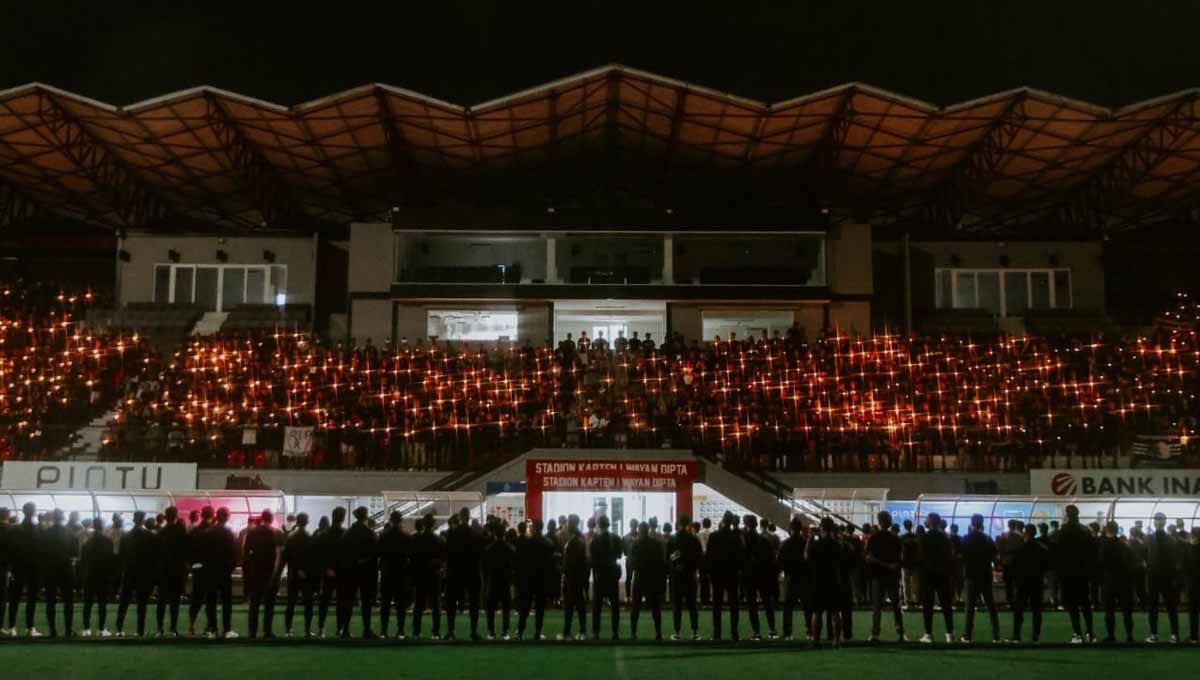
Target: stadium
[[632, 361]]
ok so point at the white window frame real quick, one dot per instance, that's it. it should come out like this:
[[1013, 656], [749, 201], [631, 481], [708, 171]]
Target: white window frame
[[954, 273], [265, 294]]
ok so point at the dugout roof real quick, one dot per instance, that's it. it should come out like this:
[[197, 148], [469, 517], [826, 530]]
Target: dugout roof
[[205, 156]]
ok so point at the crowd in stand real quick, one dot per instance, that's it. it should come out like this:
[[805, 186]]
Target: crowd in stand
[[822, 573], [838, 403], [888, 402], [55, 375]]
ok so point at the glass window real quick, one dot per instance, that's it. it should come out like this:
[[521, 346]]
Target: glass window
[[1062, 288], [945, 289], [1039, 284], [256, 281], [206, 288], [162, 283], [468, 324], [184, 280], [1016, 293], [233, 288], [279, 284], [964, 297], [988, 285]]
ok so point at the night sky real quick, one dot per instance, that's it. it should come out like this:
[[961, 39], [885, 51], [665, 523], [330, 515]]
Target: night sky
[[468, 51]]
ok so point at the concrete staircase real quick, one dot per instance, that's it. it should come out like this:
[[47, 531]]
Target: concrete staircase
[[751, 493], [85, 443], [210, 323], [760, 497]]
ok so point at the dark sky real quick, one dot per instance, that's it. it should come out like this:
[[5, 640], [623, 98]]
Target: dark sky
[[1107, 51]]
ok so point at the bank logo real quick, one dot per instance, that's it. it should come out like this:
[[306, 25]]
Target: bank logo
[[1064, 484]]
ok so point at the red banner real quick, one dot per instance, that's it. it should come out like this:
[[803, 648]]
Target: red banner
[[645, 476]]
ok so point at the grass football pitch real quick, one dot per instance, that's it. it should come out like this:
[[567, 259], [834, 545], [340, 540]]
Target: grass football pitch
[[191, 659]]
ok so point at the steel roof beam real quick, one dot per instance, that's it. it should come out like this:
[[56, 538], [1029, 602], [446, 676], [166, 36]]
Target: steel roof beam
[[271, 195], [137, 203]]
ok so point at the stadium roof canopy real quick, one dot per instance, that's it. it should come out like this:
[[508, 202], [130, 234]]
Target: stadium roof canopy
[[204, 156]]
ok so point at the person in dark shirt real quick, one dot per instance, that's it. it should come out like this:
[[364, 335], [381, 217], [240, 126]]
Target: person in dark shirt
[[428, 558], [259, 556], [499, 560], [394, 550], [883, 561], [199, 545], [796, 578], [575, 580], [58, 552], [139, 566], [1192, 573], [1075, 551], [1116, 569], [327, 542], [23, 547], [300, 557], [464, 550], [98, 560], [649, 580], [979, 563], [173, 540], [357, 575], [725, 558], [684, 556], [535, 567], [934, 576], [627, 550], [220, 561], [1162, 567], [606, 551], [760, 578], [825, 556], [1029, 565]]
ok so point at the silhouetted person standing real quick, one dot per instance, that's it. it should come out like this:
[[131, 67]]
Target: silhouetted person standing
[[464, 551], [936, 559], [303, 563], [1075, 553], [725, 558], [428, 558], [1030, 564], [499, 563], [100, 569], [684, 556], [394, 560], [23, 547], [139, 566], [58, 552], [575, 579], [979, 559], [174, 543], [358, 574], [1117, 569], [260, 555], [535, 568], [649, 580], [883, 561], [221, 562], [606, 551], [328, 543], [761, 577], [1162, 570]]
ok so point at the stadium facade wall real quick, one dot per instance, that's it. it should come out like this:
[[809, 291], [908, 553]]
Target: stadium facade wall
[[383, 307], [135, 277], [326, 482], [908, 486], [1084, 259]]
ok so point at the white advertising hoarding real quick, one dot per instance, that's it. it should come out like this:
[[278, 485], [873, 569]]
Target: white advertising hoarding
[[1126, 482], [62, 476]]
